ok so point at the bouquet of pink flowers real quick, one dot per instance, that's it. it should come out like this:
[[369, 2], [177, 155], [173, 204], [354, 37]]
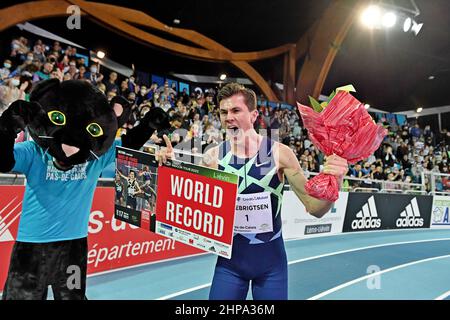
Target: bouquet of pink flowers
[[341, 126]]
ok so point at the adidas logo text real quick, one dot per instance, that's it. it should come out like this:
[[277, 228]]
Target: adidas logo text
[[367, 218], [410, 217]]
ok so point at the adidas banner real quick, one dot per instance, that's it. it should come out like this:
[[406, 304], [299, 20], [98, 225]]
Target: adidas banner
[[440, 217], [369, 211]]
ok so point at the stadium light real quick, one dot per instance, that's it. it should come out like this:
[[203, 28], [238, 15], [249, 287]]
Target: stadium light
[[222, 77], [100, 54], [367, 106], [389, 19], [407, 24], [419, 110], [371, 16], [416, 27], [385, 15]]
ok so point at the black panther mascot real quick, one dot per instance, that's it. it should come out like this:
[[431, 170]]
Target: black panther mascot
[[73, 129]]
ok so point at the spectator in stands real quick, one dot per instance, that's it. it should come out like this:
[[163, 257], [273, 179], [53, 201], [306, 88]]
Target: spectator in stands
[[72, 69], [111, 83], [275, 121], [27, 65], [391, 182], [39, 51], [123, 90], [415, 131], [81, 74], [19, 48], [63, 64], [102, 88], [208, 106], [142, 96], [94, 76], [164, 103], [402, 149], [445, 179], [389, 158], [296, 130], [56, 74], [6, 70], [131, 98], [57, 47], [44, 73], [109, 94], [10, 92]]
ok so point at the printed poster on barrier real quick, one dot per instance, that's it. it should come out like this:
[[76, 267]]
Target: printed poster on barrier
[[135, 183], [186, 202], [440, 216], [298, 223], [196, 205]]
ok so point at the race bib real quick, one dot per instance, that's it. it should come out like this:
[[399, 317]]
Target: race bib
[[253, 213]]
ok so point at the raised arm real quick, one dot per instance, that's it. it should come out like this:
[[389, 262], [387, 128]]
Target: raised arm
[[155, 119], [289, 166], [13, 120]]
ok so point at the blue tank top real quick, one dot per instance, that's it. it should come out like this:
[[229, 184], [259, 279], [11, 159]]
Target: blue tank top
[[256, 174]]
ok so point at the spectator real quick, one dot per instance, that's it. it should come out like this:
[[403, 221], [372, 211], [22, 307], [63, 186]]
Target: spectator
[[94, 76], [123, 90], [81, 75], [72, 70], [10, 92], [389, 158], [6, 70], [415, 131], [111, 83]]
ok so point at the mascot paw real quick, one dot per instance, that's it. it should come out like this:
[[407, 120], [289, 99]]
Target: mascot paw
[[156, 119], [21, 114]]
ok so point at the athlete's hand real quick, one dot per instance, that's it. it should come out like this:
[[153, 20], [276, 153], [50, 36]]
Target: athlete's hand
[[165, 153], [336, 166]]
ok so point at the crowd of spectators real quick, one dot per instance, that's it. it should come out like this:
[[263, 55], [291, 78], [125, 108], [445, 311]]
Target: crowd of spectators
[[406, 153]]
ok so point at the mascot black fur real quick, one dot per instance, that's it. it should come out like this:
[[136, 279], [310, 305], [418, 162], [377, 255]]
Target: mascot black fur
[[73, 129]]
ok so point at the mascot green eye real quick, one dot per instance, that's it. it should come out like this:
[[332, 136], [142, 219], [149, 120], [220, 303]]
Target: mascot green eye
[[57, 117], [94, 130]]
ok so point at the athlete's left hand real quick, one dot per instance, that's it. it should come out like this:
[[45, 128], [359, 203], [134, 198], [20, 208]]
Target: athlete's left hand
[[336, 166]]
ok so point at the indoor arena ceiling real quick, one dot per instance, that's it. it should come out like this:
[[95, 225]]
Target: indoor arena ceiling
[[390, 69]]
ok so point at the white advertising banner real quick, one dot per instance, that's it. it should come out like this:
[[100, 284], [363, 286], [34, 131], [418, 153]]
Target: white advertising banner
[[440, 217], [297, 223]]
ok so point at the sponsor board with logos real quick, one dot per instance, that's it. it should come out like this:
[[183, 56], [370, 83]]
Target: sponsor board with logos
[[369, 212], [298, 223], [440, 215]]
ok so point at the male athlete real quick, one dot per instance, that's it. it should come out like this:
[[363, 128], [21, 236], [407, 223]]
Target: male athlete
[[261, 165]]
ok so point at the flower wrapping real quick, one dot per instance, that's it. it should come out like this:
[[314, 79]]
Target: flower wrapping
[[344, 128]]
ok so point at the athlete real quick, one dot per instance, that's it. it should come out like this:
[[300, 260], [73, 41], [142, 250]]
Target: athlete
[[258, 256], [119, 186], [133, 189]]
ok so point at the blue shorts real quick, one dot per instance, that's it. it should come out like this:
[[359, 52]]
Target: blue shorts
[[264, 264]]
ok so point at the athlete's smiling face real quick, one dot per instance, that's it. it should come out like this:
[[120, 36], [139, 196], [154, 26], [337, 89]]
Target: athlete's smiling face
[[235, 116]]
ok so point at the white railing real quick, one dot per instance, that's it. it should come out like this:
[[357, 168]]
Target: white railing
[[432, 178], [381, 186]]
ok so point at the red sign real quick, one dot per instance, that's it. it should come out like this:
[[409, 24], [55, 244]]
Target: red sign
[[198, 205], [112, 243]]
